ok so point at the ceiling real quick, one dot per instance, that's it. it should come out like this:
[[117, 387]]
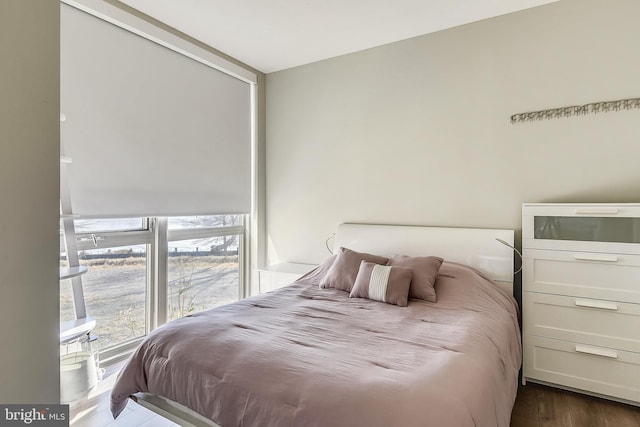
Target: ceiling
[[272, 35]]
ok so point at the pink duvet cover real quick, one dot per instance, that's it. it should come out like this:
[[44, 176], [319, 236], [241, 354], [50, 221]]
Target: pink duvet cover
[[304, 356]]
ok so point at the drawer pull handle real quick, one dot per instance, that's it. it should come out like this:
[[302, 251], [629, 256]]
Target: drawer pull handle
[[596, 211], [597, 351], [596, 304], [599, 258]]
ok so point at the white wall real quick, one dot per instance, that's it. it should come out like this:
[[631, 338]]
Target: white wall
[[29, 190], [418, 132]]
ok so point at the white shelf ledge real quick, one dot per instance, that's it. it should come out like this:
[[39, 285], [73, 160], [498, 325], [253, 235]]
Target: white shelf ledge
[[69, 272], [74, 329]]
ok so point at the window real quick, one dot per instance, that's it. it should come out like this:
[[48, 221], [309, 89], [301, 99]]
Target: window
[[101, 225], [115, 287], [124, 288], [203, 273], [203, 263], [66, 301], [190, 222], [144, 179], [115, 292], [67, 311]]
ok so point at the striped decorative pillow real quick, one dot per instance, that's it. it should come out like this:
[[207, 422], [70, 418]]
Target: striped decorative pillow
[[383, 283]]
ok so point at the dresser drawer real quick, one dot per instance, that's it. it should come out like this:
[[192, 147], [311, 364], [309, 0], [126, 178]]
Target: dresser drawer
[[613, 228], [587, 321], [613, 277], [594, 369]]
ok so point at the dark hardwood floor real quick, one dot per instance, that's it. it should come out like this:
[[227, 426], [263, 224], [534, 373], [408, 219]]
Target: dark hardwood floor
[[536, 406], [542, 406]]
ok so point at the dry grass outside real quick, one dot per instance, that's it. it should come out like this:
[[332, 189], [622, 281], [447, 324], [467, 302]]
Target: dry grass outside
[[190, 260], [115, 291], [114, 262]]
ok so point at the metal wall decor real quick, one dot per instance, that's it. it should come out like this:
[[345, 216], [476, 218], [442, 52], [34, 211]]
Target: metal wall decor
[[576, 110]]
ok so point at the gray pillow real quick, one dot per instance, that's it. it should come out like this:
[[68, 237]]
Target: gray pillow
[[425, 270], [382, 283], [343, 272]]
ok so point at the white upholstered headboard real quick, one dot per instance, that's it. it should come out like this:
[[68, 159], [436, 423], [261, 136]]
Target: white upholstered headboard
[[476, 247]]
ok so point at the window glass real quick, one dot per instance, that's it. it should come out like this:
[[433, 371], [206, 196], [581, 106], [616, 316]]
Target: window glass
[[114, 224], [66, 294], [66, 301], [588, 229], [185, 222], [115, 292], [202, 274], [63, 249]]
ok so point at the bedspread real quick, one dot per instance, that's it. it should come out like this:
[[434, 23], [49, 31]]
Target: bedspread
[[304, 356]]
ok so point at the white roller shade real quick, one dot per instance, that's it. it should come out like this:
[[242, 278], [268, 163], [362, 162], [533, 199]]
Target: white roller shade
[[149, 131]]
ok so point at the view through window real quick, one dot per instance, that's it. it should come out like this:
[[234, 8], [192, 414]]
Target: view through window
[[203, 263], [115, 292], [202, 276], [203, 272]]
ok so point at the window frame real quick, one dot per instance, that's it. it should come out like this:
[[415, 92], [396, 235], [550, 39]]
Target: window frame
[[156, 238], [112, 239], [250, 253], [206, 232]]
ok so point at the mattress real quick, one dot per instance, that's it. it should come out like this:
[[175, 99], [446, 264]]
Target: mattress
[[305, 356]]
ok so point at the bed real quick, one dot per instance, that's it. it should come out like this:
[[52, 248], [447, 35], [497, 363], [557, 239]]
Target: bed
[[305, 355]]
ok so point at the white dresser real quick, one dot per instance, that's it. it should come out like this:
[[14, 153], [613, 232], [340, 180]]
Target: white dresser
[[581, 297]]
